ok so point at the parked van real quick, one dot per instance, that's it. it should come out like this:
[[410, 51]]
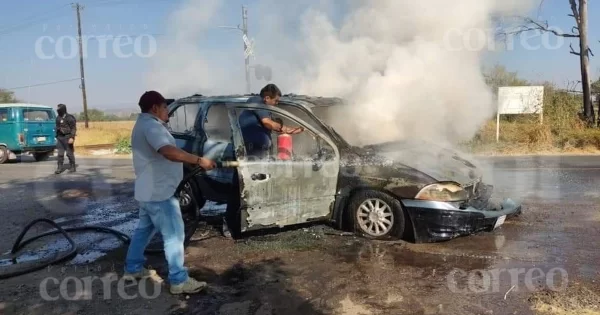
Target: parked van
[[27, 128]]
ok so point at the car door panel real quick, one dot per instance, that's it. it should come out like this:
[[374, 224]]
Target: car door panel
[[280, 193]]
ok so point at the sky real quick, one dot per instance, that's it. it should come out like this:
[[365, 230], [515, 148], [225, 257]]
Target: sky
[[116, 82]]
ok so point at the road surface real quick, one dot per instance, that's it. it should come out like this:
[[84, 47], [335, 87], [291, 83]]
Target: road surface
[[310, 271]]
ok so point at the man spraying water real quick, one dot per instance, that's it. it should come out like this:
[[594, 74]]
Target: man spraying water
[[158, 168]]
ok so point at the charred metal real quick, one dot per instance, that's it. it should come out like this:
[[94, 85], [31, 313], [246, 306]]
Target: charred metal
[[378, 190]]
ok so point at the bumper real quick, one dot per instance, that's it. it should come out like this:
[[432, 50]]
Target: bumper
[[40, 148], [435, 221], [44, 148]]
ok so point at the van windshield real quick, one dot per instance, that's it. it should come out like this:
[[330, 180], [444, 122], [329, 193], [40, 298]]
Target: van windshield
[[37, 114]]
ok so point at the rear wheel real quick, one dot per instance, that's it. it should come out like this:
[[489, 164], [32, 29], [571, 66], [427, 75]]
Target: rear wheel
[[3, 154], [377, 215], [41, 156]]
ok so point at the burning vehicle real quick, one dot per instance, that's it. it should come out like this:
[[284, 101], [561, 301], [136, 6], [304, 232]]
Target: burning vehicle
[[381, 191]]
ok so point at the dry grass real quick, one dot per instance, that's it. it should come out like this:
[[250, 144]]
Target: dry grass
[[577, 299], [562, 131], [533, 138], [103, 132]]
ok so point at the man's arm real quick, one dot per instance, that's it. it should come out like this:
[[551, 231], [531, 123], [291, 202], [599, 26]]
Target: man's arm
[[73, 122], [159, 141], [175, 154], [270, 124]]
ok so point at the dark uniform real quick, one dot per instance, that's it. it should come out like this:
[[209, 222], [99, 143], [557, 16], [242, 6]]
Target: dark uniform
[[256, 137], [66, 128]]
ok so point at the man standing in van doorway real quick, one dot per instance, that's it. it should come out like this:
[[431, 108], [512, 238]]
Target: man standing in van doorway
[[257, 125], [66, 130]]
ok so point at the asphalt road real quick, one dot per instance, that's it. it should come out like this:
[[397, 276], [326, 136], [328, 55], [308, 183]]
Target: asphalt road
[[30, 189], [559, 228]]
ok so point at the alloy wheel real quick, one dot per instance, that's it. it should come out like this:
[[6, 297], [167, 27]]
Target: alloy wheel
[[185, 196], [375, 217]]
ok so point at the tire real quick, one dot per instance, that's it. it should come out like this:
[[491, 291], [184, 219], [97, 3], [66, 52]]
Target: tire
[[3, 154], [390, 215], [41, 156], [191, 218], [186, 202]]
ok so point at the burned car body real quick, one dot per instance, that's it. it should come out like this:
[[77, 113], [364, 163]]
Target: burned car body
[[378, 190]]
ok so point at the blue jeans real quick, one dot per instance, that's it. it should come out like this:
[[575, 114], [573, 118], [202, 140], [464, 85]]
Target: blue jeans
[[164, 217]]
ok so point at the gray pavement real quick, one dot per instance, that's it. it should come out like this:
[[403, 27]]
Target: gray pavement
[[559, 228]]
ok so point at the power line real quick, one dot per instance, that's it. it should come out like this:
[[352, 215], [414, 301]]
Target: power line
[[100, 3], [31, 20], [40, 84], [41, 17]]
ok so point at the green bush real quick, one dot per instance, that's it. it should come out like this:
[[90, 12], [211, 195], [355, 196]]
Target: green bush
[[123, 145]]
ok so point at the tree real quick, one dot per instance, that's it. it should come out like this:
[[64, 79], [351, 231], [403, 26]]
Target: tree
[[498, 76], [7, 97], [596, 88], [579, 9]]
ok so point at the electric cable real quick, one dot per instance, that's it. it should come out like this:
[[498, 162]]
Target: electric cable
[[32, 20], [41, 84], [73, 251]]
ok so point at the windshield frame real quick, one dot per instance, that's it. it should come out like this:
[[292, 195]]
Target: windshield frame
[[306, 105]]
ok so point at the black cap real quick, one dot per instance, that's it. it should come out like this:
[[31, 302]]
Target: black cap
[[150, 98]]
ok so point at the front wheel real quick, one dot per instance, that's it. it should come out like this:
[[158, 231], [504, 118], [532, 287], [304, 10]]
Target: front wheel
[[3, 154], [377, 215]]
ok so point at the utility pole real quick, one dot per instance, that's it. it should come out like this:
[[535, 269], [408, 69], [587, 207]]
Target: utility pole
[[248, 45], [78, 8], [247, 49]]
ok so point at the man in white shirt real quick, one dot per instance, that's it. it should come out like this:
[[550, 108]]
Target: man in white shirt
[[158, 168]]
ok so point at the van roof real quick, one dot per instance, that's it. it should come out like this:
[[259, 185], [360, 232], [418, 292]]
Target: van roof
[[24, 105]]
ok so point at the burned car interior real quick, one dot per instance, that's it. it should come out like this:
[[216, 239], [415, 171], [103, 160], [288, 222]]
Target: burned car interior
[[381, 191]]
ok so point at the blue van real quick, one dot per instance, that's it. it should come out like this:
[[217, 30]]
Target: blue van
[[27, 128]]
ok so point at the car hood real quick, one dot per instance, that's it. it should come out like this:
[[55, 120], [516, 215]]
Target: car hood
[[440, 163]]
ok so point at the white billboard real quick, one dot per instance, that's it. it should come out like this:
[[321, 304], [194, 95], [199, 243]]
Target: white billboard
[[516, 100], [520, 100]]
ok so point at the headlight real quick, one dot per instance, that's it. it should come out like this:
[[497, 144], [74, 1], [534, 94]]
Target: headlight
[[443, 192]]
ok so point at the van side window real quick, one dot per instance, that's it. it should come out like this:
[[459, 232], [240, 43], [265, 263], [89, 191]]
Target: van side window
[[216, 124], [305, 145], [4, 114], [183, 119], [302, 115]]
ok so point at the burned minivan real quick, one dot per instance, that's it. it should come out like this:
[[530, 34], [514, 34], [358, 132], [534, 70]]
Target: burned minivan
[[381, 191]]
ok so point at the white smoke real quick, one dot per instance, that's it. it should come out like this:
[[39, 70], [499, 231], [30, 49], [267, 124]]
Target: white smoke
[[408, 67]]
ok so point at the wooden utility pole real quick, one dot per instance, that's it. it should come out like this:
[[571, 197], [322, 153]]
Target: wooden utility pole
[[247, 49], [78, 8], [579, 11], [248, 44], [581, 18]]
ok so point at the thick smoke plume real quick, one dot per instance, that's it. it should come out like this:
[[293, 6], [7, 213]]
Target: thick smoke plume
[[409, 68]]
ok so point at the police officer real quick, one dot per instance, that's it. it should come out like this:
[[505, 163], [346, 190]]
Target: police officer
[[66, 129]]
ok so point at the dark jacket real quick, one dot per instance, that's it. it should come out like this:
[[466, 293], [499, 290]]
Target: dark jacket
[[66, 126]]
